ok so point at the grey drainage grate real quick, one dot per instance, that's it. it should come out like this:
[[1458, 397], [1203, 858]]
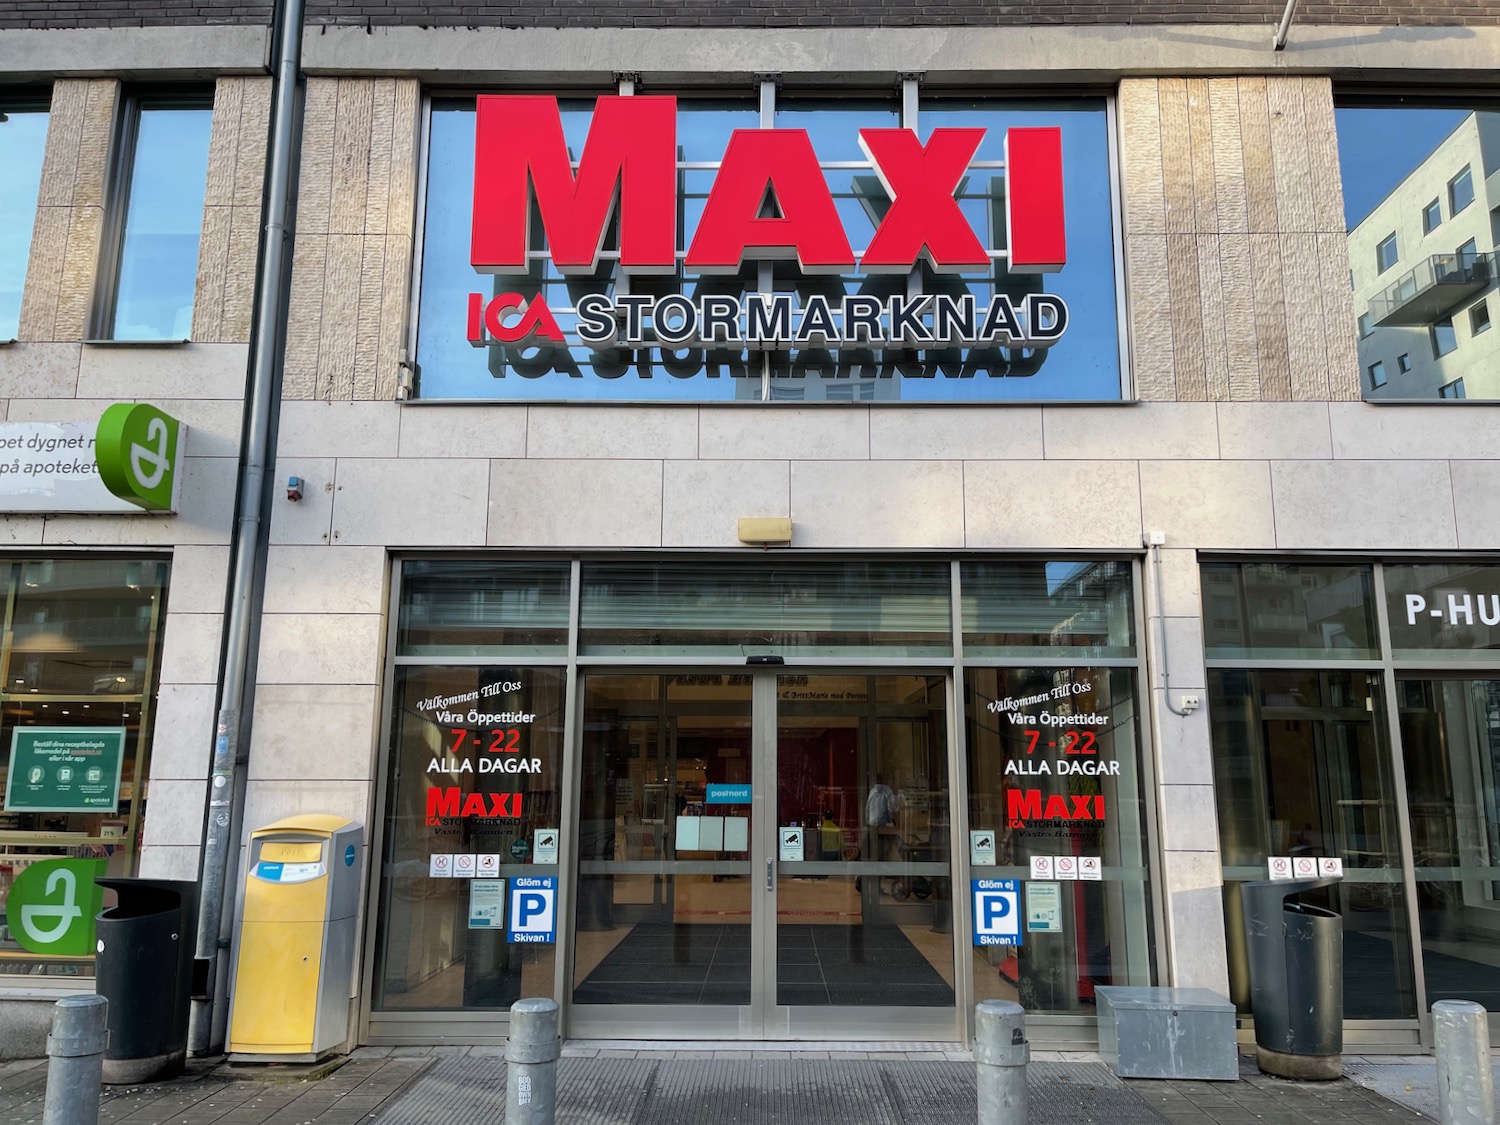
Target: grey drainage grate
[[607, 1091]]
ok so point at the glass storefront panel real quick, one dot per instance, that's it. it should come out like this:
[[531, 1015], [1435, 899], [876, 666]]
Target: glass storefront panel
[[1054, 608], [472, 802], [1302, 767], [79, 660], [1450, 736], [456, 608], [1443, 610], [1054, 770], [786, 607], [1286, 610]]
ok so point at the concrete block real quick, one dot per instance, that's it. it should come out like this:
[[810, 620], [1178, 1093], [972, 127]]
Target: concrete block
[[1086, 504], [339, 429], [315, 732], [594, 503], [345, 648], [878, 503], [784, 433], [936, 433], [463, 431], [613, 431], [124, 374], [1475, 486], [174, 811], [322, 579], [1364, 505], [1188, 819], [190, 648], [39, 370], [1158, 430], [1276, 431], [1212, 504], [410, 502], [182, 740], [25, 1023], [703, 500]]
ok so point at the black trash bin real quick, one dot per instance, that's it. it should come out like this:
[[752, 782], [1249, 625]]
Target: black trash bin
[[144, 968], [1296, 954]]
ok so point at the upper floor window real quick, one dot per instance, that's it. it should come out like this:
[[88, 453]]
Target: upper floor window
[[1377, 374], [1479, 318], [1385, 254], [1460, 191], [1403, 363], [1444, 338], [1363, 323], [1432, 217], [163, 172], [1454, 389], [23, 139]]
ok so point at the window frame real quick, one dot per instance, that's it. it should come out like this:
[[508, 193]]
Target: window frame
[[1403, 363], [1428, 223], [1457, 387], [1376, 372], [28, 101], [1432, 337], [1467, 177], [1381, 265], [1481, 307]]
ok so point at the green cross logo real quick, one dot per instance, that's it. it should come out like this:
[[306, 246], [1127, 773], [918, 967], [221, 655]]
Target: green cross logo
[[136, 448], [52, 905]]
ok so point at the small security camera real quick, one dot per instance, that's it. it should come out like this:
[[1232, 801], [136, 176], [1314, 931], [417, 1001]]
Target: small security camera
[[294, 488]]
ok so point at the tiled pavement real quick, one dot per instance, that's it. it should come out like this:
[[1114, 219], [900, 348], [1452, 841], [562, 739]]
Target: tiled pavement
[[611, 1083]]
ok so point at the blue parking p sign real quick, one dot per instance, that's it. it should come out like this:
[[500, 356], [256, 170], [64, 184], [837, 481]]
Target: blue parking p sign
[[997, 911], [533, 910]]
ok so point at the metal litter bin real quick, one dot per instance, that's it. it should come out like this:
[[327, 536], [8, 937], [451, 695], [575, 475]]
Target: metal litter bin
[[144, 968], [1296, 954]]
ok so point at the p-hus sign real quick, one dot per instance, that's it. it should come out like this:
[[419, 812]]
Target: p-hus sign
[[628, 171]]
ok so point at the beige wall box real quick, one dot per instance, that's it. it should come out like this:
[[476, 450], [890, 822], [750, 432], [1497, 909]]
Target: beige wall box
[[766, 531]]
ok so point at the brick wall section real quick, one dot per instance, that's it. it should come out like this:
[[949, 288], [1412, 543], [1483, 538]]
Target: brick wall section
[[746, 13], [356, 215], [1236, 256], [225, 292], [58, 298]]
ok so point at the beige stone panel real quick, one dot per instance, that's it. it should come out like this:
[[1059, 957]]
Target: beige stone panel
[[339, 429], [1181, 581], [59, 410], [405, 136], [411, 503], [75, 295], [1228, 155], [922, 433], [1177, 156], [1274, 431], [270, 800], [351, 156], [395, 298], [44, 273], [1289, 155], [173, 371], [1213, 505], [432, 430], [1140, 127], [338, 335], [304, 316], [612, 431], [65, 117], [315, 732], [190, 648], [213, 272], [1237, 282], [1150, 304], [1475, 486], [182, 736], [224, 142], [1255, 140], [878, 504], [1338, 319], [370, 296], [1364, 505], [205, 513], [39, 370], [1200, 136], [199, 579], [1032, 504], [1187, 317], [575, 504], [4, 410], [322, 579], [314, 195], [1162, 430], [1195, 907], [1412, 432], [174, 812], [1185, 757], [1189, 822], [213, 424], [1211, 305], [703, 501], [96, 143], [382, 137], [784, 433], [1323, 155], [321, 648], [22, 530], [250, 159], [309, 520], [239, 282], [1306, 349], [1272, 358], [163, 861]]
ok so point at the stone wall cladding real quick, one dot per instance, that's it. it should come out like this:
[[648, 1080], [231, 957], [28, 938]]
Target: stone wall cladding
[[57, 304], [126, 13], [1235, 247], [225, 291], [356, 215]]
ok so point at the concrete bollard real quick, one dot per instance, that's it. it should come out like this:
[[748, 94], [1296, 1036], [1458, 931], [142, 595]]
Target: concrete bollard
[[531, 1054], [1001, 1053], [75, 1060], [1466, 1088]]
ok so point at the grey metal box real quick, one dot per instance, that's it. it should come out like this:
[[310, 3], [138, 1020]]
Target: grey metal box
[[1167, 1033]]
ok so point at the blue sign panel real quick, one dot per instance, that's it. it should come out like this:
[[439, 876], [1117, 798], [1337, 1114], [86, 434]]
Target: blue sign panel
[[997, 911], [533, 910], [722, 794]]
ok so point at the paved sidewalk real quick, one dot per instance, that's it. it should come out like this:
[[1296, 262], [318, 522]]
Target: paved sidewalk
[[727, 1084]]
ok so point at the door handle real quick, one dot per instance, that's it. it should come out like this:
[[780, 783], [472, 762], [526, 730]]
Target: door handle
[[770, 885]]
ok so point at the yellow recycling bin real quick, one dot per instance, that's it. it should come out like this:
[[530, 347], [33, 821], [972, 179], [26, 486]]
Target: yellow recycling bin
[[295, 954]]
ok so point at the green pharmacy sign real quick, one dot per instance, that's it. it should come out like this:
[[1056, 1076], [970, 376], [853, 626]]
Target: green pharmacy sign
[[136, 448], [52, 906], [65, 769]]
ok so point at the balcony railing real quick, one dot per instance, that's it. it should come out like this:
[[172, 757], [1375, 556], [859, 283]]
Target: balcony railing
[[1432, 289]]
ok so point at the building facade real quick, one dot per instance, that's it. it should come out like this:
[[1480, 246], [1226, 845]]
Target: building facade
[[1115, 583]]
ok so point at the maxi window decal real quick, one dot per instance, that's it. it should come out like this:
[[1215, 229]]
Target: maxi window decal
[[652, 247]]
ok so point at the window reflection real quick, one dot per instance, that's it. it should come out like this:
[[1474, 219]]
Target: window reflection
[[1420, 252], [23, 138]]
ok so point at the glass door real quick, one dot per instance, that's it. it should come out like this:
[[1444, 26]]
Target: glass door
[[764, 855]]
